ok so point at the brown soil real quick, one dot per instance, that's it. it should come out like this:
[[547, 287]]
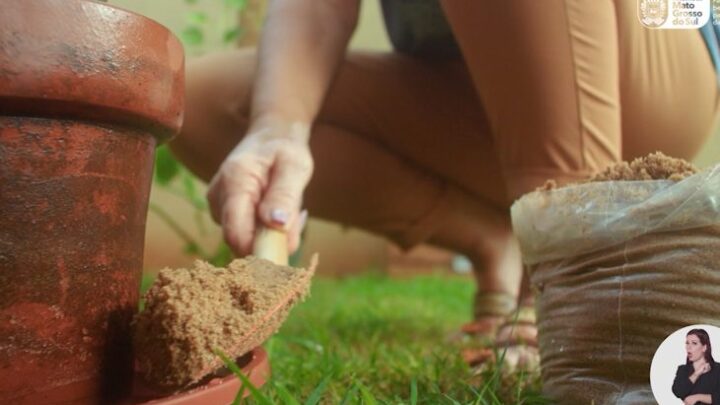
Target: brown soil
[[190, 313], [655, 166], [612, 306]]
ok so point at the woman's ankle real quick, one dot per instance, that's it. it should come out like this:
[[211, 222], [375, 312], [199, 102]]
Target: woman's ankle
[[497, 265]]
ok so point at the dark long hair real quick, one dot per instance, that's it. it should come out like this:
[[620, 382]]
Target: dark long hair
[[704, 340]]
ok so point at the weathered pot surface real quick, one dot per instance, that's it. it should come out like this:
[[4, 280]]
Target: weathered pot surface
[[86, 92]]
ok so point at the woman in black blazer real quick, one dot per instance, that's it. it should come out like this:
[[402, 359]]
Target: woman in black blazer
[[697, 382]]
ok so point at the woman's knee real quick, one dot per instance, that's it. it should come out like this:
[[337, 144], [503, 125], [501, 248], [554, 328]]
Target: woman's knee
[[217, 103], [219, 87], [665, 108]]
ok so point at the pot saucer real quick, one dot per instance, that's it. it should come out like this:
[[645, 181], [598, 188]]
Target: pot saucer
[[218, 389]]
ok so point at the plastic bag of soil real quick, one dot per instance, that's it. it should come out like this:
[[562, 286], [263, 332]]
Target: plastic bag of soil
[[616, 267]]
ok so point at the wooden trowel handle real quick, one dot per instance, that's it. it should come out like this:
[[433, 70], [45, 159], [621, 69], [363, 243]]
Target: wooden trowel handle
[[271, 244]]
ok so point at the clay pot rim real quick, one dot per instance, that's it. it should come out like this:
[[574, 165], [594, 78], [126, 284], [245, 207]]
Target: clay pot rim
[[87, 60], [220, 390]]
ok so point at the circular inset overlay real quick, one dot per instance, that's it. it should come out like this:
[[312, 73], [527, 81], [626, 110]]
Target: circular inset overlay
[[673, 353]]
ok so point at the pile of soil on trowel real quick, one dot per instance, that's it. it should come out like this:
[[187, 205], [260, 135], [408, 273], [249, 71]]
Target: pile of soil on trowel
[[191, 313]]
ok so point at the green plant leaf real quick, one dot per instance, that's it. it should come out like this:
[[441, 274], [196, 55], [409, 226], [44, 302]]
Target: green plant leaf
[[452, 401], [191, 192], [285, 395], [192, 35], [191, 1], [236, 4], [200, 221], [189, 187], [239, 396], [197, 18], [352, 392], [308, 344], [413, 392], [191, 249], [166, 167], [222, 256], [232, 35], [367, 396], [317, 393], [256, 394]]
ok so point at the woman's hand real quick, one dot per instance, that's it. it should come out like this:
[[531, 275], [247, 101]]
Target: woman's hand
[[700, 370], [263, 179], [695, 398]]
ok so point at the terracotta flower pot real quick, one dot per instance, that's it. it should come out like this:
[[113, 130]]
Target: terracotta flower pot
[[86, 93], [220, 389]]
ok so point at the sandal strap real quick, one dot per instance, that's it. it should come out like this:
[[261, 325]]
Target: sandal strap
[[522, 318], [486, 325], [493, 304], [517, 341], [525, 315]]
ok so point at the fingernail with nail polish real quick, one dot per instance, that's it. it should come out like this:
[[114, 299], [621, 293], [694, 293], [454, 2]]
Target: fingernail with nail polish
[[279, 216]]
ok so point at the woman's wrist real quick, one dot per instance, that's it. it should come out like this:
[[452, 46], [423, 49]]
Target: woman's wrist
[[275, 126]]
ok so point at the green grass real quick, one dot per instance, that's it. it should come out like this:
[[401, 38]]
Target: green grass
[[371, 339]]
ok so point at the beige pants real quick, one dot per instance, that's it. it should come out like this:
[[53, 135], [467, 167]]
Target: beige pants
[[427, 151]]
